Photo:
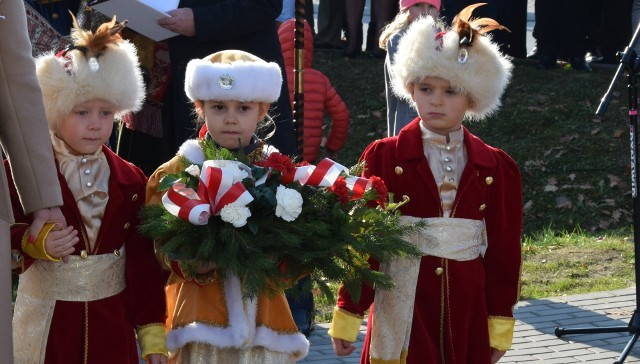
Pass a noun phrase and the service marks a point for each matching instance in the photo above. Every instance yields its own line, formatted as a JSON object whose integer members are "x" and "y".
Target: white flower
{"x": 235, "y": 214}
{"x": 193, "y": 170}
{"x": 238, "y": 170}
{"x": 289, "y": 204}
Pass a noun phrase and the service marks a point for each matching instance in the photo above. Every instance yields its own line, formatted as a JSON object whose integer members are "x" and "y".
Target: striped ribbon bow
{"x": 220, "y": 184}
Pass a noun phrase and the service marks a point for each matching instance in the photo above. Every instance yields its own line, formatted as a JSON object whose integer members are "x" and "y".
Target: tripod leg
{"x": 627, "y": 349}
{"x": 589, "y": 330}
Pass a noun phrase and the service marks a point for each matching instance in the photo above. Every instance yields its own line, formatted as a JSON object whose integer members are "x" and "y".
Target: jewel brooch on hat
{"x": 468, "y": 29}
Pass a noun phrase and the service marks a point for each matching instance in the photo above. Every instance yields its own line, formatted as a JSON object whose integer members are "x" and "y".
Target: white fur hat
{"x": 233, "y": 75}
{"x": 473, "y": 66}
{"x": 101, "y": 65}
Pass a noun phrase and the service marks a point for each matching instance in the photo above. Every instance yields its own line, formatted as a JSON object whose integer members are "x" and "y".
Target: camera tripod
{"x": 628, "y": 63}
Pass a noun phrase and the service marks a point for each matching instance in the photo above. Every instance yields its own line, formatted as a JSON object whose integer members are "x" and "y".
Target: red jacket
{"x": 112, "y": 320}
{"x": 454, "y": 299}
{"x": 319, "y": 96}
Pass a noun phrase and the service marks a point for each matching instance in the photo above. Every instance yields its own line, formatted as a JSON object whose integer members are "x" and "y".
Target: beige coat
{"x": 25, "y": 140}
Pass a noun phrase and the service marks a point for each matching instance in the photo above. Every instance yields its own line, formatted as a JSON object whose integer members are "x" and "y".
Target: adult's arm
{"x": 24, "y": 133}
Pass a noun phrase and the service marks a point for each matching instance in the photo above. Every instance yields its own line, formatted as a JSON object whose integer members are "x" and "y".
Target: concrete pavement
{"x": 534, "y": 338}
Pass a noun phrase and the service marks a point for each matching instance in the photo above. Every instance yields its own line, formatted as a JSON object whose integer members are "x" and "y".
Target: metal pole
{"x": 298, "y": 75}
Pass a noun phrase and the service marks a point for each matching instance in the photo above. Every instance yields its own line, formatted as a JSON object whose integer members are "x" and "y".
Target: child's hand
{"x": 342, "y": 347}
{"x": 496, "y": 355}
{"x": 156, "y": 359}
{"x": 60, "y": 242}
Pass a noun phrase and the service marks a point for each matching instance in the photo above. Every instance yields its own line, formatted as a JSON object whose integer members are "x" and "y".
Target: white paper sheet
{"x": 142, "y": 15}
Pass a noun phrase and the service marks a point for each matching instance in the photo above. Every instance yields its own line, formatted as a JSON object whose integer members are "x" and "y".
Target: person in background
{"x": 43, "y": 35}
{"x": 560, "y": 33}
{"x": 330, "y": 21}
{"x": 207, "y": 26}
{"x": 57, "y": 12}
{"x": 288, "y": 12}
{"x": 399, "y": 111}
{"x": 26, "y": 144}
{"x": 319, "y": 96}
{"x": 455, "y": 304}
{"x": 209, "y": 320}
{"x": 382, "y": 11}
{"x": 110, "y": 294}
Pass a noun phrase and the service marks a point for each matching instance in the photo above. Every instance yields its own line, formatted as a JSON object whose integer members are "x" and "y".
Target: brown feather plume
{"x": 468, "y": 28}
{"x": 92, "y": 44}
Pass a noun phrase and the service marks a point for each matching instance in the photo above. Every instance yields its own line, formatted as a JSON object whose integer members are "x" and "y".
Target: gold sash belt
{"x": 452, "y": 238}
{"x": 45, "y": 282}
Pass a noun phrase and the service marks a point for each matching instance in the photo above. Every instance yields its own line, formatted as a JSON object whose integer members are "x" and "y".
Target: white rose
{"x": 235, "y": 214}
{"x": 193, "y": 170}
{"x": 289, "y": 204}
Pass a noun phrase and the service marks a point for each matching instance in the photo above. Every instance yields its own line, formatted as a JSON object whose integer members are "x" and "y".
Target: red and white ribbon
{"x": 358, "y": 185}
{"x": 185, "y": 203}
{"x": 216, "y": 189}
{"x": 323, "y": 175}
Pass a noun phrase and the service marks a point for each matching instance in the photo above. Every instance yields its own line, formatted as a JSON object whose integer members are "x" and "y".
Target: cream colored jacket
{"x": 24, "y": 137}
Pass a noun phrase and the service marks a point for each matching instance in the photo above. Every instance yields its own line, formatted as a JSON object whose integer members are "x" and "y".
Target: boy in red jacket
{"x": 92, "y": 292}
{"x": 455, "y": 304}
{"x": 319, "y": 96}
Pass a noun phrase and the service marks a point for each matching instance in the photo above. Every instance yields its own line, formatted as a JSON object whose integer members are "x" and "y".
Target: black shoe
{"x": 547, "y": 62}
{"x": 579, "y": 64}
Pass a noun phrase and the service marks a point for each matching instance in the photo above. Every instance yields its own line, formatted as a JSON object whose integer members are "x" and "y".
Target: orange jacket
{"x": 319, "y": 96}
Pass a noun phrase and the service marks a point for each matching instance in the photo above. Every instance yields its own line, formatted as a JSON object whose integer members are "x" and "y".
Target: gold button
{"x": 84, "y": 254}
{"x": 482, "y": 207}
{"x": 116, "y": 252}
{"x": 399, "y": 170}
{"x": 55, "y": 16}
{"x": 134, "y": 198}
{"x": 489, "y": 180}
{"x": 439, "y": 271}
{"x": 127, "y": 225}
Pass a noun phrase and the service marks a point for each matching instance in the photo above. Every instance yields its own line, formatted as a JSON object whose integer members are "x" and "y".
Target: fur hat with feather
{"x": 99, "y": 65}
{"x": 462, "y": 54}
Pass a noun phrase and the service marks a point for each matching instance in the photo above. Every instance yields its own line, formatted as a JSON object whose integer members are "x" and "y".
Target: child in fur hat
{"x": 209, "y": 320}
{"x": 399, "y": 111}
{"x": 455, "y": 304}
{"x": 86, "y": 292}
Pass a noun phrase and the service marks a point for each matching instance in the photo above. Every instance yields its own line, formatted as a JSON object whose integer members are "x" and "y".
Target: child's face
{"x": 87, "y": 126}
{"x": 422, "y": 9}
{"x": 439, "y": 106}
{"x": 232, "y": 123}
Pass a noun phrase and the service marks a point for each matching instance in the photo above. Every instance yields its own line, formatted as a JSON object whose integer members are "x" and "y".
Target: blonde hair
{"x": 399, "y": 23}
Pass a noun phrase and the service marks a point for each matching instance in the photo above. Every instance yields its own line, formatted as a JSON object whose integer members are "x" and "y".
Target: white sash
{"x": 45, "y": 282}
{"x": 451, "y": 238}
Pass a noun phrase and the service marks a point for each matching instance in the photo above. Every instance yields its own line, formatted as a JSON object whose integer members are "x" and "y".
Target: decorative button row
{"x": 85, "y": 255}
